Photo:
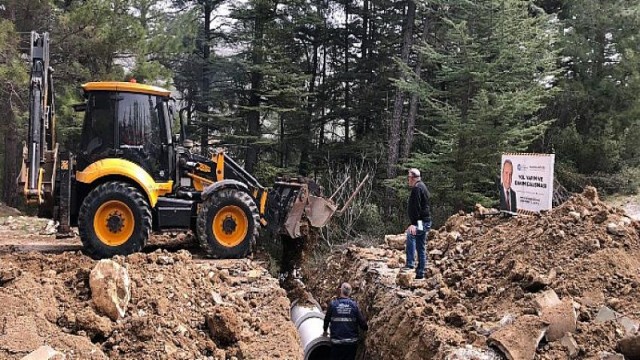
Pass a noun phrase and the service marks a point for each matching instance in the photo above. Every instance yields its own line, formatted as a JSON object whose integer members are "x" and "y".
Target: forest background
{"x": 336, "y": 88}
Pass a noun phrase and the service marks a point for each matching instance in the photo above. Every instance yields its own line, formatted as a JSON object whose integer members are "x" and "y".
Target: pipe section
{"x": 308, "y": 319}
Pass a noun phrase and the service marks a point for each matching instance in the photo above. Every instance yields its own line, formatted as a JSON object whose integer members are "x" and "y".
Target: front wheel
{"x": 228, "y": 224}
{"x": 114, "y": 219}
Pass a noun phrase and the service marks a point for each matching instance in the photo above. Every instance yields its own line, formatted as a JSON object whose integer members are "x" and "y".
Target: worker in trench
{"x": 343, "y": 318}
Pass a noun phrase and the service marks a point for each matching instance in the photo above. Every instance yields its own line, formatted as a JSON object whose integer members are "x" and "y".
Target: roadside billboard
{"x": 526, "y": 182}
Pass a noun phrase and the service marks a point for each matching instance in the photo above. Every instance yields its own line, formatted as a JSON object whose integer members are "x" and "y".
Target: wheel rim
{"x": 230, "y": 226}
{"x": 114, "y": 223}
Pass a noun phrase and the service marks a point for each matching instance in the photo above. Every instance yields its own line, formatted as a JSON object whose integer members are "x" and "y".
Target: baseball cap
{"x": 414, "y": 172}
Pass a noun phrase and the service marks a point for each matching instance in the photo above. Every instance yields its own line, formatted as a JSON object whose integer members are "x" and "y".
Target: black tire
{"x": 117, "y": 203}
{"x": 233, "y": 211}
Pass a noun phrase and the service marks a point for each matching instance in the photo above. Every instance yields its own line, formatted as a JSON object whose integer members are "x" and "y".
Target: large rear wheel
{"x": 228, "y": 224}
{"x": 114, "y": 219}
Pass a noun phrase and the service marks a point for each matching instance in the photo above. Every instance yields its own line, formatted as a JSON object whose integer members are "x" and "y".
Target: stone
{"x": 404, "y": 278}
{"x": 165, "y": 260}
{"x": 508, "y": 319}
{"x": 519, "y": 341}
{"x": 44, "y": 352}
{"x": 546, "y": 299}
{"x": 180, "y": 329}
{"x": 8, "y": 275}
{"x": 562, "y": 319}
{"x": 575, "y": 215}
{"x": 110, "y": 289}
{"x": 630, "y": 326}
{"x": 454, "y": 236}
{"x": 396, "y": 242}
{"x": 224, "y": 326}
{"x": 630, "y": 347}
{"x": 615, "y": 229}
{"x": 427, "y": 295}
{"x": 216, "y": 297}
{"x": 471, "y": 353}
{"x": 605, "y": 314}
{"x": 50, "y": 228}
{"x": 571, "y": 345}
{"x": 254, "y": 274}
{"x": 170, "y": 349}
{"x": 611, "y": 356}
{"x": 482, "y": 289}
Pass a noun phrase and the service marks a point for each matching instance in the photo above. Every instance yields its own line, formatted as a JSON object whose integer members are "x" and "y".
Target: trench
{"x": 306, "y": 312}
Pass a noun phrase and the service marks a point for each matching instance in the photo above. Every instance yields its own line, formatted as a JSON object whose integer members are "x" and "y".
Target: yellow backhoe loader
{"x": 132, "y": 176}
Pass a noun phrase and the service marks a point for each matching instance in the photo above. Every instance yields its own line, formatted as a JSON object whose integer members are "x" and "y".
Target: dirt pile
{"x": 180, "y": 308}
{"x": 8, "y": 211}
{"x": 486, "y": 276}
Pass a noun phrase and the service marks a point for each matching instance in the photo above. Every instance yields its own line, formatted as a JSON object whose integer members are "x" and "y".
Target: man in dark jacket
{"x": 507, "y": 195}
{"x": 419, "y": 223}
{"x": 345, "y": 317}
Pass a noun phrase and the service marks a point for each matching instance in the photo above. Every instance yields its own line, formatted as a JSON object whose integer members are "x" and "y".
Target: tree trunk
{"x": 347, "y": 89}
{"x": 12, "y": 158}
{"x": 364, "y": 72}
{"x": 203, "y": 104}
{"x": 413, "y": 109}
{"x": 253, "y": 118}
{"x": 304, "y": 166}
{"x": 283, "y": 144}
{"x": 396, "y": 120}
{"x": 323, "y": 96}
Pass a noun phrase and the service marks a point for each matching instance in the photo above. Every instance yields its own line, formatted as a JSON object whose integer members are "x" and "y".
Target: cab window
{"x": 139, "y": 120}
{"x": 98, "y": 127}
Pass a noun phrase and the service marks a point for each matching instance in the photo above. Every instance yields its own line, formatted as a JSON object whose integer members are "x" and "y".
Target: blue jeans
{"x": 417, "y": 243}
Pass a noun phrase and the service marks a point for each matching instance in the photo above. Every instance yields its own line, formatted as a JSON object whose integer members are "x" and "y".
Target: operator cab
{"x": 130, "y": 121}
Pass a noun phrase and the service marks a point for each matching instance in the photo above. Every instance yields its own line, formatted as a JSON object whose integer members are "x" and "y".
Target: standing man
{"x": 419, "y": 223}
{"x": 507, "y": 195}
{"x": 345, "y": 317}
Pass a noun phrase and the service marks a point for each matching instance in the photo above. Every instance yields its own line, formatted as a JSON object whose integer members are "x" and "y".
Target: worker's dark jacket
{"x": 418, "y": 206}
{"x": 345, "y": 317}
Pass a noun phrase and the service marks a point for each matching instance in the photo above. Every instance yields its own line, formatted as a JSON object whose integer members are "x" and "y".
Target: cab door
{"x": 142, "y": 135}
{"x": 98, "y": 131}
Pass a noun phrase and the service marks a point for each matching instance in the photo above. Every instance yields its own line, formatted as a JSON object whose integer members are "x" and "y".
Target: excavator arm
{"x": 40, "y": 154}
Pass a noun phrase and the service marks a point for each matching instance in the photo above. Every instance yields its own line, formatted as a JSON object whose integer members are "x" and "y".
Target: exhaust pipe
{"x": 308, "y": 319}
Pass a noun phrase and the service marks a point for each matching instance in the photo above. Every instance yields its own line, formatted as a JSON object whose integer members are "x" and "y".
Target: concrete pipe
{"x": 308, "y": 319}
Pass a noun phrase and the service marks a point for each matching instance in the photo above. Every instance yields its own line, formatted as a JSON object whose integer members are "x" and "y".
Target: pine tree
{"x": 13, "y": 86}
{"x": 598, "y": 110}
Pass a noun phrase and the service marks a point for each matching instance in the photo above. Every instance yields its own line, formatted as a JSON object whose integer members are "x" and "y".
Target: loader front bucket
{"x": 295, "y": 200}
{"x": 320, "y": 210}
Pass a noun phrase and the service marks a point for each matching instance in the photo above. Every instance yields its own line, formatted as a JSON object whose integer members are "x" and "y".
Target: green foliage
{"x": 599, "y": 110}
{"x": 303, "y": 81}
{"x": 13, "y": 86}
{"x": 495, "y": 61}
{"x": 13, "y": 73}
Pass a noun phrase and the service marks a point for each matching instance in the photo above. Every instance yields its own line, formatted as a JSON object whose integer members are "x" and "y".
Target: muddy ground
{"x": 46, "y": 299}
{"x": 484, "y": 276}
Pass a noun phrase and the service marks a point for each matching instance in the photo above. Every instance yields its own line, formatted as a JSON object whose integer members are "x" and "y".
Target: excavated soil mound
{"x": 180, "y": 308}
{"x": 8, "y": 210}
{"x": 485, "y": 274}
